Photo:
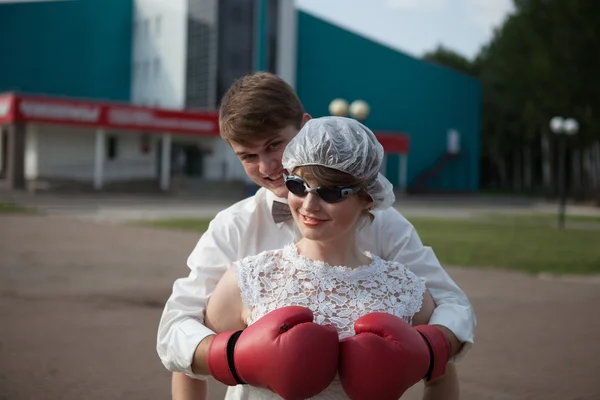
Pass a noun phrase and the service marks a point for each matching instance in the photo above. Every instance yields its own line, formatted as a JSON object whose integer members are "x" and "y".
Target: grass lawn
{"x": 528, "y": 244}
{"x": 545, "y": 219}
{"x": 12, "y": 208}
{"x": 512, "y": 243}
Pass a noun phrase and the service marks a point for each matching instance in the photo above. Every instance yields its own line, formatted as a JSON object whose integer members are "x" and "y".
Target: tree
{"x": 540, "y": 63}
{"x": 449, "y": 58}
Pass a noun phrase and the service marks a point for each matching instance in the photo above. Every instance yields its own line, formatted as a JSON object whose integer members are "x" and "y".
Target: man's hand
{"x": 199, "y": 365}
{"x": 386, "y": 356}
{"x": 284, "y": 351}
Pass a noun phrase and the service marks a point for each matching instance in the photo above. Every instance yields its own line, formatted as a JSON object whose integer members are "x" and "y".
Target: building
{"x": 65, "y": 49}
{"x": 180, "y": 56}
{"x": 186, "y": 53}
{"x": 438, "y": 109}
{"x": 62, "y": 141}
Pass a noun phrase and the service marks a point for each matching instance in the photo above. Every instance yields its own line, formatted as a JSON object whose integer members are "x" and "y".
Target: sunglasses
{"x": 298, "y": 187}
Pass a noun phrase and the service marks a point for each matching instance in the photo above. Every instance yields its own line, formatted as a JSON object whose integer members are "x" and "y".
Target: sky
{"x": 412, "y": 26}
{"x": 416, "y": 26}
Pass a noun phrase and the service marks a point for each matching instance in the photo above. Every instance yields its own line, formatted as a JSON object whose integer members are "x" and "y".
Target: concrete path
{"x": 110, "y": 207}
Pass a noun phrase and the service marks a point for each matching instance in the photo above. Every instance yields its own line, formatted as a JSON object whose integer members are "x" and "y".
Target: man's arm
{"x": 399, "y": 241}
{"x": 181, "y": 331}
{"x": 185, "y": 388}
{"x": 223, "y": 313}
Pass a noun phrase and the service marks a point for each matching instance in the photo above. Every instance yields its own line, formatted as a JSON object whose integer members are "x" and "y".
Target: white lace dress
{"x": 336, "y": 295}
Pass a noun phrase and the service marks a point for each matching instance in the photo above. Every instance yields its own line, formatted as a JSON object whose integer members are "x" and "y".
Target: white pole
{"x": 1, "y": 147}
{"x": 99, "y": 159}
{"x": 403, "y": 172}
{"x": 383, "y": 168}
{"x": 165, "y": 167}
{"x": 31, "y": 153}
{"x": 287, "y": 41}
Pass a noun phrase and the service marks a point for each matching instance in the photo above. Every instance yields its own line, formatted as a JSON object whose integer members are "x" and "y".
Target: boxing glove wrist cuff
{"x": 439, "y": 350}
{"x": 220, "y": 358}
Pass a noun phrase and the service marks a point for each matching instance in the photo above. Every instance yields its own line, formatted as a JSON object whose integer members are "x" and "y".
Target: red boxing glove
{"x": 284, "y": 351}
{"x": 387, "y": 356}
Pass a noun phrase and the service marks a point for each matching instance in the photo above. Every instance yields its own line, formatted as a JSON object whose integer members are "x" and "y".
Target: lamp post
{"x": 338, "y": 107}
{"x": 358, "y": 109}
{"x": 562, "y": 127}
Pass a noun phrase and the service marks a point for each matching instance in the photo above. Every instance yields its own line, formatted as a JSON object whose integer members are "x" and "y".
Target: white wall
{"x": 223, "y": 165}
{"x": 68, "y": 153}
{"x": 131, "y": 163}
{"x": 159, "y": 53}
{"x": 287, "y": 48}
{"x": 31, "y": 152}
{"x": 65, "y": 152}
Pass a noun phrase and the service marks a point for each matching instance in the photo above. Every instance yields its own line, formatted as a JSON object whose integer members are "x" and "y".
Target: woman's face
{"x": 321, "y": 221}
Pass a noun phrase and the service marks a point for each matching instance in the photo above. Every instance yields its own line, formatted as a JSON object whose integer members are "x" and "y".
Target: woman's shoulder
{"x": 263, "y": 259}
{"x": 396, "y": 269}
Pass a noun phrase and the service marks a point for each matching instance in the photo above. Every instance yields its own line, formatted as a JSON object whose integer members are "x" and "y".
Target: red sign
{"x": 394, "y": 142}
{"x": 6, "y": 108}
{"x": 26, "y": 108}
{"x": 125, "y": 117}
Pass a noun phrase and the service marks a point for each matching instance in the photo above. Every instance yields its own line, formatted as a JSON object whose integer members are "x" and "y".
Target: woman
{"x": 334, "y": 188}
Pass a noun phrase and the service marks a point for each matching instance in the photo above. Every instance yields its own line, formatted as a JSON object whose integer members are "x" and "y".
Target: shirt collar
{"x": 270, "y": 197}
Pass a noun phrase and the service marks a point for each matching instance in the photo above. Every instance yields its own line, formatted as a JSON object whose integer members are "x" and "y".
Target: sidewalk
{"x": 131, "y": 207}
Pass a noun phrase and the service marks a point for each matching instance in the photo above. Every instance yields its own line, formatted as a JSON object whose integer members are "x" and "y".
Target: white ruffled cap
{"x": 346, "y": 145}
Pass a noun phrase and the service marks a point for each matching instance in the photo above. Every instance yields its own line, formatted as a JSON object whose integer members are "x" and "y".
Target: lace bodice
{"x": 337, "y": 295}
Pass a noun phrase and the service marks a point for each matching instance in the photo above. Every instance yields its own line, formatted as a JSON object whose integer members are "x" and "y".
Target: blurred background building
{"x": 171, "y": 61}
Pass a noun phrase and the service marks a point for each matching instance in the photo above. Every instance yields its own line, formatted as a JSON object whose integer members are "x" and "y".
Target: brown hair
{"x": 256, "y": 107}
{"x": 332, "y": 177}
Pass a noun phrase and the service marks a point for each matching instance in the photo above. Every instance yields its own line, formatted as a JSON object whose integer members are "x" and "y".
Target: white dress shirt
{"x": 247, "y": 228}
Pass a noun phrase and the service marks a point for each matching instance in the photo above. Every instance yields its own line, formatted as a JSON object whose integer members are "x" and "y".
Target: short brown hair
{"x": 256, "y": 107}
{"x": 332, "y": 177}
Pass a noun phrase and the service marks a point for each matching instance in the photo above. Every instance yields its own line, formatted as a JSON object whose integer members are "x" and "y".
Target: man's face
{"x": 262, "y": 161}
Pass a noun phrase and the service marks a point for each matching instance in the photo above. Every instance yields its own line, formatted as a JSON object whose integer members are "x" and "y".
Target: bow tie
{"x": 281, "y": 212}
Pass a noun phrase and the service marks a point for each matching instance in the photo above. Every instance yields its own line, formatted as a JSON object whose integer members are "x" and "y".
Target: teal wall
{"x": 408, "y": 95}
{"x": 79, "y": 48}
{"x": 261, "y": 24}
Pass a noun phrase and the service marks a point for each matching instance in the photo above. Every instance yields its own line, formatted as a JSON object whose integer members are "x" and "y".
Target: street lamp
{"x": 358, "y": 109}
{"x": 338, "y": 107}
{"x": 562, "y": 127}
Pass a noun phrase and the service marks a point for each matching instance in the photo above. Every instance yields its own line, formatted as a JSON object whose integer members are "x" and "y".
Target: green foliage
{"x": 541, "y": 62}
{"x": 12, "y": 208}
{"x": 451, "y": 59}
{"x": 531, "y": 244}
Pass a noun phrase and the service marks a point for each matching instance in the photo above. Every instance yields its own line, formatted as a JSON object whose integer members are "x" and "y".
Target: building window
{"x": 236, "y": 47}
{"x": 157, "y": 25}
{"x": 145, "y": 143}
{"x": 272, "y": 35}
{"x": 112, "y": 147}
{"x": 156, "y": 66}
{"x": 146, "y": 69}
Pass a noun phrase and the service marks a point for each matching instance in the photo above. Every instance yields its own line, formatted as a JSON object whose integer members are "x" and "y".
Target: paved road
{"x": 80, "y": 303}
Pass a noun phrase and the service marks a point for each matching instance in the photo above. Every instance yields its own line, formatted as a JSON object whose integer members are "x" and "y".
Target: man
{"x": 258, "y": 116}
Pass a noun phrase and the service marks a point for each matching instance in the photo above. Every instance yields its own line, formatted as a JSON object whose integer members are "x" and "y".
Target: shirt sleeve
{"x": 400, "y": 242}
{"x": 181, "y": 326}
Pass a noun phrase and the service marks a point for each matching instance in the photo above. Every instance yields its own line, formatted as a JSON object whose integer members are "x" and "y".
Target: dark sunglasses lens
{"x": 295, "y": 187}
{"x": 330, "y": 195}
